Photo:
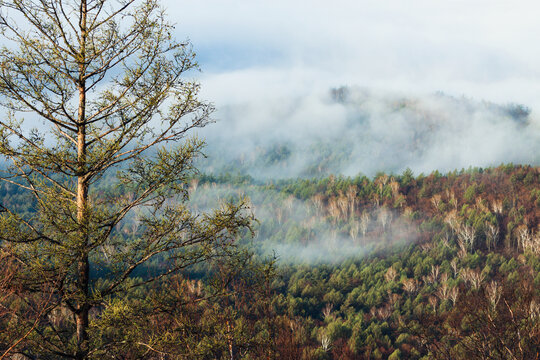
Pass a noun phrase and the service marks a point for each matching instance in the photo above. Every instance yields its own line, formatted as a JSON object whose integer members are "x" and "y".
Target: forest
{"x": 439, "y": 266}
{"x": 125, "y": 235}
{"x": 442, "y": 266}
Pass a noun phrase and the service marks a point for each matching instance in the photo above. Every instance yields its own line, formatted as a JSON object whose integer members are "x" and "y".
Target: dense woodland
{"x": 401, "y": 267}
{"x": 114, "y": 246}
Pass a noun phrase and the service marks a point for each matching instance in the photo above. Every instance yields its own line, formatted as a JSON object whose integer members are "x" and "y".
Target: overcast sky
{"x": 251, "y": 49}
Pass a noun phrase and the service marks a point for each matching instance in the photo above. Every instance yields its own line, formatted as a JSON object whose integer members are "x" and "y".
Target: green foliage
{"x": 396, "y": 355}
{"x": 365, "y": 309}
{"x": 103, "y": 177}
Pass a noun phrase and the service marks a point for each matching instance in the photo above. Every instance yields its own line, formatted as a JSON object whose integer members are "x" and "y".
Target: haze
{"x": 258, "y": 55}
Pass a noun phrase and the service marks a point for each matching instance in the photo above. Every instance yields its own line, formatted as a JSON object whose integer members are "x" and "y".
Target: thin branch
{"x": 32, "y": 328}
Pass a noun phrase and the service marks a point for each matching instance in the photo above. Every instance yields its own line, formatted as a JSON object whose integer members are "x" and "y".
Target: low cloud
{"x": 354, "y": 130}
{"x": 296, "y": 232}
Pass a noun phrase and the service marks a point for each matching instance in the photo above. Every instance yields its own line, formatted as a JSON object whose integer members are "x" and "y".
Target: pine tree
{"x": 105, "y": 143}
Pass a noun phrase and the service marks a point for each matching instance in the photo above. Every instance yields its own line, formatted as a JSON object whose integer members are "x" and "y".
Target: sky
{"x": 249, "y": 50}
{"x": 269, "y": 66}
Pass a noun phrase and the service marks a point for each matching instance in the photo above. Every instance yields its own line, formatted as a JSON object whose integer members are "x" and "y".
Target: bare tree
{"x": 436, "y": 201}
{"x": 452, "y": 219}
{"x": 327, "y": 310}
{"x": 452, "y": 199}
{"x": 434, "y": 302}
{"x": 384, "y": 312}
{"x": 326, "y": 342}
{"x": 384, "y": 217}
{"x": 455, "y": 267}
{"x": 453, "y": 294}
{"x": 352, "y": 193}
{"x": 364, "y": 223}
{"x": 343, "y": 205}
{"x": 497, "y": 206}
{"x": 317, "y": 202}
{"x": 354, "y": 229}
{"x": 493, "y": 293}
{"x": 492, "y": 236}
{"x": 527, "y": 240}
{"x": 334, "y": 209}
{"x": 472, "y": 277}
{"x": 467, "y": 235}
{"x": 390, "y": 274}
{"x": 410, "y": 285}
{"x": 394, "y": 185}
{"x": 443, "y": 292}
{"x": 434, "y": 274}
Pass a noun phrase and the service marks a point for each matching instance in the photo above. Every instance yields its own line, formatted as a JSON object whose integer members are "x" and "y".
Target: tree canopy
{"x": 97, "y": 91}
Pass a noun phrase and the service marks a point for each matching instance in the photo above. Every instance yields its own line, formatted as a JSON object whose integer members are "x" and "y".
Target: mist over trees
{"x": 439, "y": 269}
{"x": 353, "y": 130}
{"x": 120, "y": 240}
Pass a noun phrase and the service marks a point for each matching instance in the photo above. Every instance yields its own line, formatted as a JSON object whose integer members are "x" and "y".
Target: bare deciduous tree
{"x": 384, "y": 216}
{"x": 492, "y": 236}
{"x": 364, "y": 223}
{"x": 352, "y": 193}
{"x": 493, "y": 293}
{"x": 390, "y": 274}
{"x": 410, "y": 285}
{"x": 466, "y": 234}
{"x": 317, "y": 202}
{"x": 354, "y": 229}
{"x": 436, "y": 201}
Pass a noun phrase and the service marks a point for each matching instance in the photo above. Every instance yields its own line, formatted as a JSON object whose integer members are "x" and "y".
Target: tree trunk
{"x": 83, "y": 265}
{"x": 230, "y": 340}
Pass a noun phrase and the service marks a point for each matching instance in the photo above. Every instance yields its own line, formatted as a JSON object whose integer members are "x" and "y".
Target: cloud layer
{"x": 267, "y": 65}
{"x": 353, "y": 130}
{"x": 480, "y": 48}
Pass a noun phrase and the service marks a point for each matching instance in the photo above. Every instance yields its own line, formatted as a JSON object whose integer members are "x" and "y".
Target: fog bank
{"x": 354, "y": 130}
{"x": 297, "y": 232}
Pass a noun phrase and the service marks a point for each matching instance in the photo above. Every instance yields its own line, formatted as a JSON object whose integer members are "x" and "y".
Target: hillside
{"x": 353, "y": 130}
{"x": 445, "y": 265}
{"x": 395, "y": 266}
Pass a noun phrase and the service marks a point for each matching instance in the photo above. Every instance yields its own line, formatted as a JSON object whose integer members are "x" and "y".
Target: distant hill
{"x": 352, "y": 130}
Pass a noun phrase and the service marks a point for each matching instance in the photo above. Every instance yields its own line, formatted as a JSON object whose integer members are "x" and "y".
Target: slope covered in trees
{"x": 444, "y": 266}
{"x": 103, "y": 256}
{"x": 439, "y": 266}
